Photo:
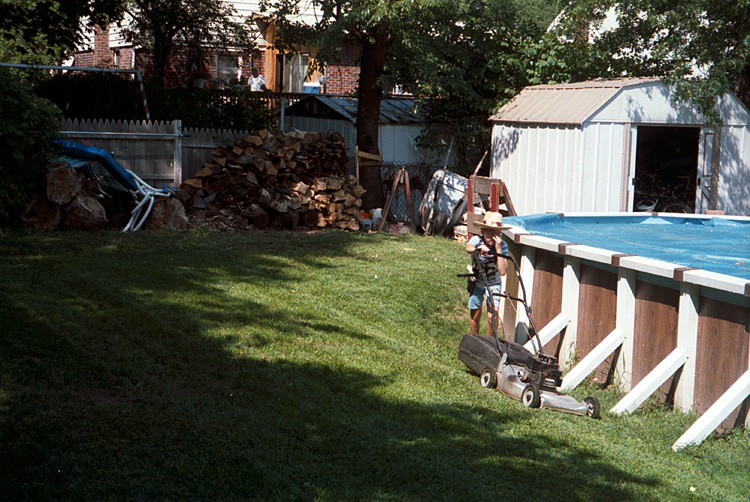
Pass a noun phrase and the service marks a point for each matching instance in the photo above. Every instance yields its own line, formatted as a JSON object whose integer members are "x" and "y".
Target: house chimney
{"x": 102, "y": 54}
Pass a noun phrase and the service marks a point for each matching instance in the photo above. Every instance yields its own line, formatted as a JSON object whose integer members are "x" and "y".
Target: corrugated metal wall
{"x": 323, "y": 126}
{"x": 397, "y": 143}
{"x": 734, "y": 185}
{"x": 540, "y": 165}
{"x": 602, "y": 167}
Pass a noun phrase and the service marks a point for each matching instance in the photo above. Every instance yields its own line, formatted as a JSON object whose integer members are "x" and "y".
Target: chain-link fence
{"x": 419, "y": 178}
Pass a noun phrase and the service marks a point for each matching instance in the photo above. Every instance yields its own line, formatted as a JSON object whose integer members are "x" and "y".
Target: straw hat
{"x": 492, "y": 221}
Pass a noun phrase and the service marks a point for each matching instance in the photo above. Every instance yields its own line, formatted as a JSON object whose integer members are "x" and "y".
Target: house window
{"x": 227, "y": 67}
{"x": 116, "y": 57}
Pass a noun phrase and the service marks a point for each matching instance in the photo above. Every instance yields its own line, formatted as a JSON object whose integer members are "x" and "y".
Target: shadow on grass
{"x": 107, "y": 396}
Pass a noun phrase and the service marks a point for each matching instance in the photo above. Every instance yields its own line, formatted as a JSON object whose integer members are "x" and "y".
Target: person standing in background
{"x": 256, "y": 82}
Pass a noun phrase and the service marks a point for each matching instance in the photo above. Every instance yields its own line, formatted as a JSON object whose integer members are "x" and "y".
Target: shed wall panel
{"x": 602, "y": 167}
{"x": 646, "y": 104}
{"x": 734, "y": 178}
{"x": 539, "y": 165}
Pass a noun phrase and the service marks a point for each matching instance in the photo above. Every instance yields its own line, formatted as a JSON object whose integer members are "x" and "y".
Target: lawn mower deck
{"x": 519, "y": 374}
{"x": 533, "y": 379}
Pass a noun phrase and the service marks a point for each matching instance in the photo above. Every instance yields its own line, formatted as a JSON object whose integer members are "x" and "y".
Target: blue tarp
{"x": 715, "y": 244}
{"x": 88, "y": 152}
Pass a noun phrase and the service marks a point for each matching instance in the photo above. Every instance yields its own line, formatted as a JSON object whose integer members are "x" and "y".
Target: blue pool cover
{"x": 715, "y": 244}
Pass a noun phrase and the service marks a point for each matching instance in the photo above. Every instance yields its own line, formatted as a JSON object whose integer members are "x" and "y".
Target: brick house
{"x": 282, "y": 72}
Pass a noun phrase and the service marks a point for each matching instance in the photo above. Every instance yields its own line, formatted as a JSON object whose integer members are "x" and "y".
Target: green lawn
{"x": 290, "y": 366}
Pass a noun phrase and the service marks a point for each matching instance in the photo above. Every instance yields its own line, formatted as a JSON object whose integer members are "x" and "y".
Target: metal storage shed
{"x": 581, "y": 148}
{"x": 400, "y": 125}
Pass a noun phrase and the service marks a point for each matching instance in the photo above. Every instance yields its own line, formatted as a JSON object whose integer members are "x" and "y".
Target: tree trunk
{"x": 374, "y": 51}
{"x": 161, "y": 50}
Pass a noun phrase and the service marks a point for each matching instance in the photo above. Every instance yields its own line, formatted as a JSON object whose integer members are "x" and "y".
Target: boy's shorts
{"x": 476, "y": 299}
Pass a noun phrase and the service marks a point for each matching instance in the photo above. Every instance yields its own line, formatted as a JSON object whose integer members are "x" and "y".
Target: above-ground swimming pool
{"x": 660, "y": 300}
{"x": 720, "y": 245}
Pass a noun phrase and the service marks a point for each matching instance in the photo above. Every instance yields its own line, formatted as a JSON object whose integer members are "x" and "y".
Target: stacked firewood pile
{"x": 277, "y": 179}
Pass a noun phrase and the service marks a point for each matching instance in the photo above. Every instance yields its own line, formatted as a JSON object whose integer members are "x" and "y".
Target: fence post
{"x": 177, "y": 163}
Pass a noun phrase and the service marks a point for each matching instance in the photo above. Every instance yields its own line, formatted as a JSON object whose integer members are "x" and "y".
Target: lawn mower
{"x": 533, "y": 379}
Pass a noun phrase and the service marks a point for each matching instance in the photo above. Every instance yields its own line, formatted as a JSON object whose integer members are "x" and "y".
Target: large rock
{"x": 167, "y": 213}
{"x": 63, "y": 183}
{"x": 85, "y": 213}
{"x": 41, "y": 214}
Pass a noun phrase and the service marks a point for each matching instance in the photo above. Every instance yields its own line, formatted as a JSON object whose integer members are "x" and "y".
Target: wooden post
{"x": 687, "y": 340}
{"x": 526, "y": 267}
{"x": 177, "y": 163}
{"x": 625, "y": 322}
{"x": 716, "y": 414}
{"x": 408, "y": 199}
{"x": 495, "y": 197}
{"x": 650, "y": 383}
{"x": 547, "y": 333}
{"x": 593, "y": 359}
{"x": 570, "y": 293}
{"x": 470, "y": 228}
{"x": 389, "y": 200}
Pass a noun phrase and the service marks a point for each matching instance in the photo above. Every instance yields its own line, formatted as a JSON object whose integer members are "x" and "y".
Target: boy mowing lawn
{"x": 489, "y": 244}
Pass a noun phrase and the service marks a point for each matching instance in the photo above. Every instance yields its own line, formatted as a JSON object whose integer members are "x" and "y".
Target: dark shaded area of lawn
{"x": 107, "y": 396}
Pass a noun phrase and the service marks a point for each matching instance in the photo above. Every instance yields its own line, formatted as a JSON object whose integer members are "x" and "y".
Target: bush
{"x": 27, "y": 124}
{"x": 93, "y": 95}
{"x": 227, "y": 109}
{"x": 117, "y": 97}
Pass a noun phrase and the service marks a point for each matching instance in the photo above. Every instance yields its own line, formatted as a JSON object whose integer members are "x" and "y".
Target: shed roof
{"x": 392, "y": 110}
{"x": 569, "y": 104}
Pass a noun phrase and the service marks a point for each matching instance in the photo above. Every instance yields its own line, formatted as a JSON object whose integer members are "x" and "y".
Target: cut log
{"x": 319, "y": 185}
{"x": 353, "y": 225}
{"x": 254, "y": 140}
{"x": 257, "y": 216}
{"x": 194, "y": 182}
{"x": 309, "y": 218}
{"x": 288, "y": 220}
{"x": 204, "y": 171}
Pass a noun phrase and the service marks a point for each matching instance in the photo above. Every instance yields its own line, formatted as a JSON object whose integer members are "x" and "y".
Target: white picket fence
{"x": 160, "y": 153}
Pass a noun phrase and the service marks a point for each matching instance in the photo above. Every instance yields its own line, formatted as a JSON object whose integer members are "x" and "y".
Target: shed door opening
{"x": 666, "y": 163}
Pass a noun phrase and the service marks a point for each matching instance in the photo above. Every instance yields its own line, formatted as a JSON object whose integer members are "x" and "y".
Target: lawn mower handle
{"x": 522, "y": 300}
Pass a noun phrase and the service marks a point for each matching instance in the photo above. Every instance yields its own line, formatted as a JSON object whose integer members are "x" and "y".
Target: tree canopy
{"x": 467, "y": 55}
{"x": 700, "y": 46}
{"x": 27, "y": 124}
{"x": 194, "y": 24}
{"x": 465, "y": 59}
{"x": 45, "y": 31}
